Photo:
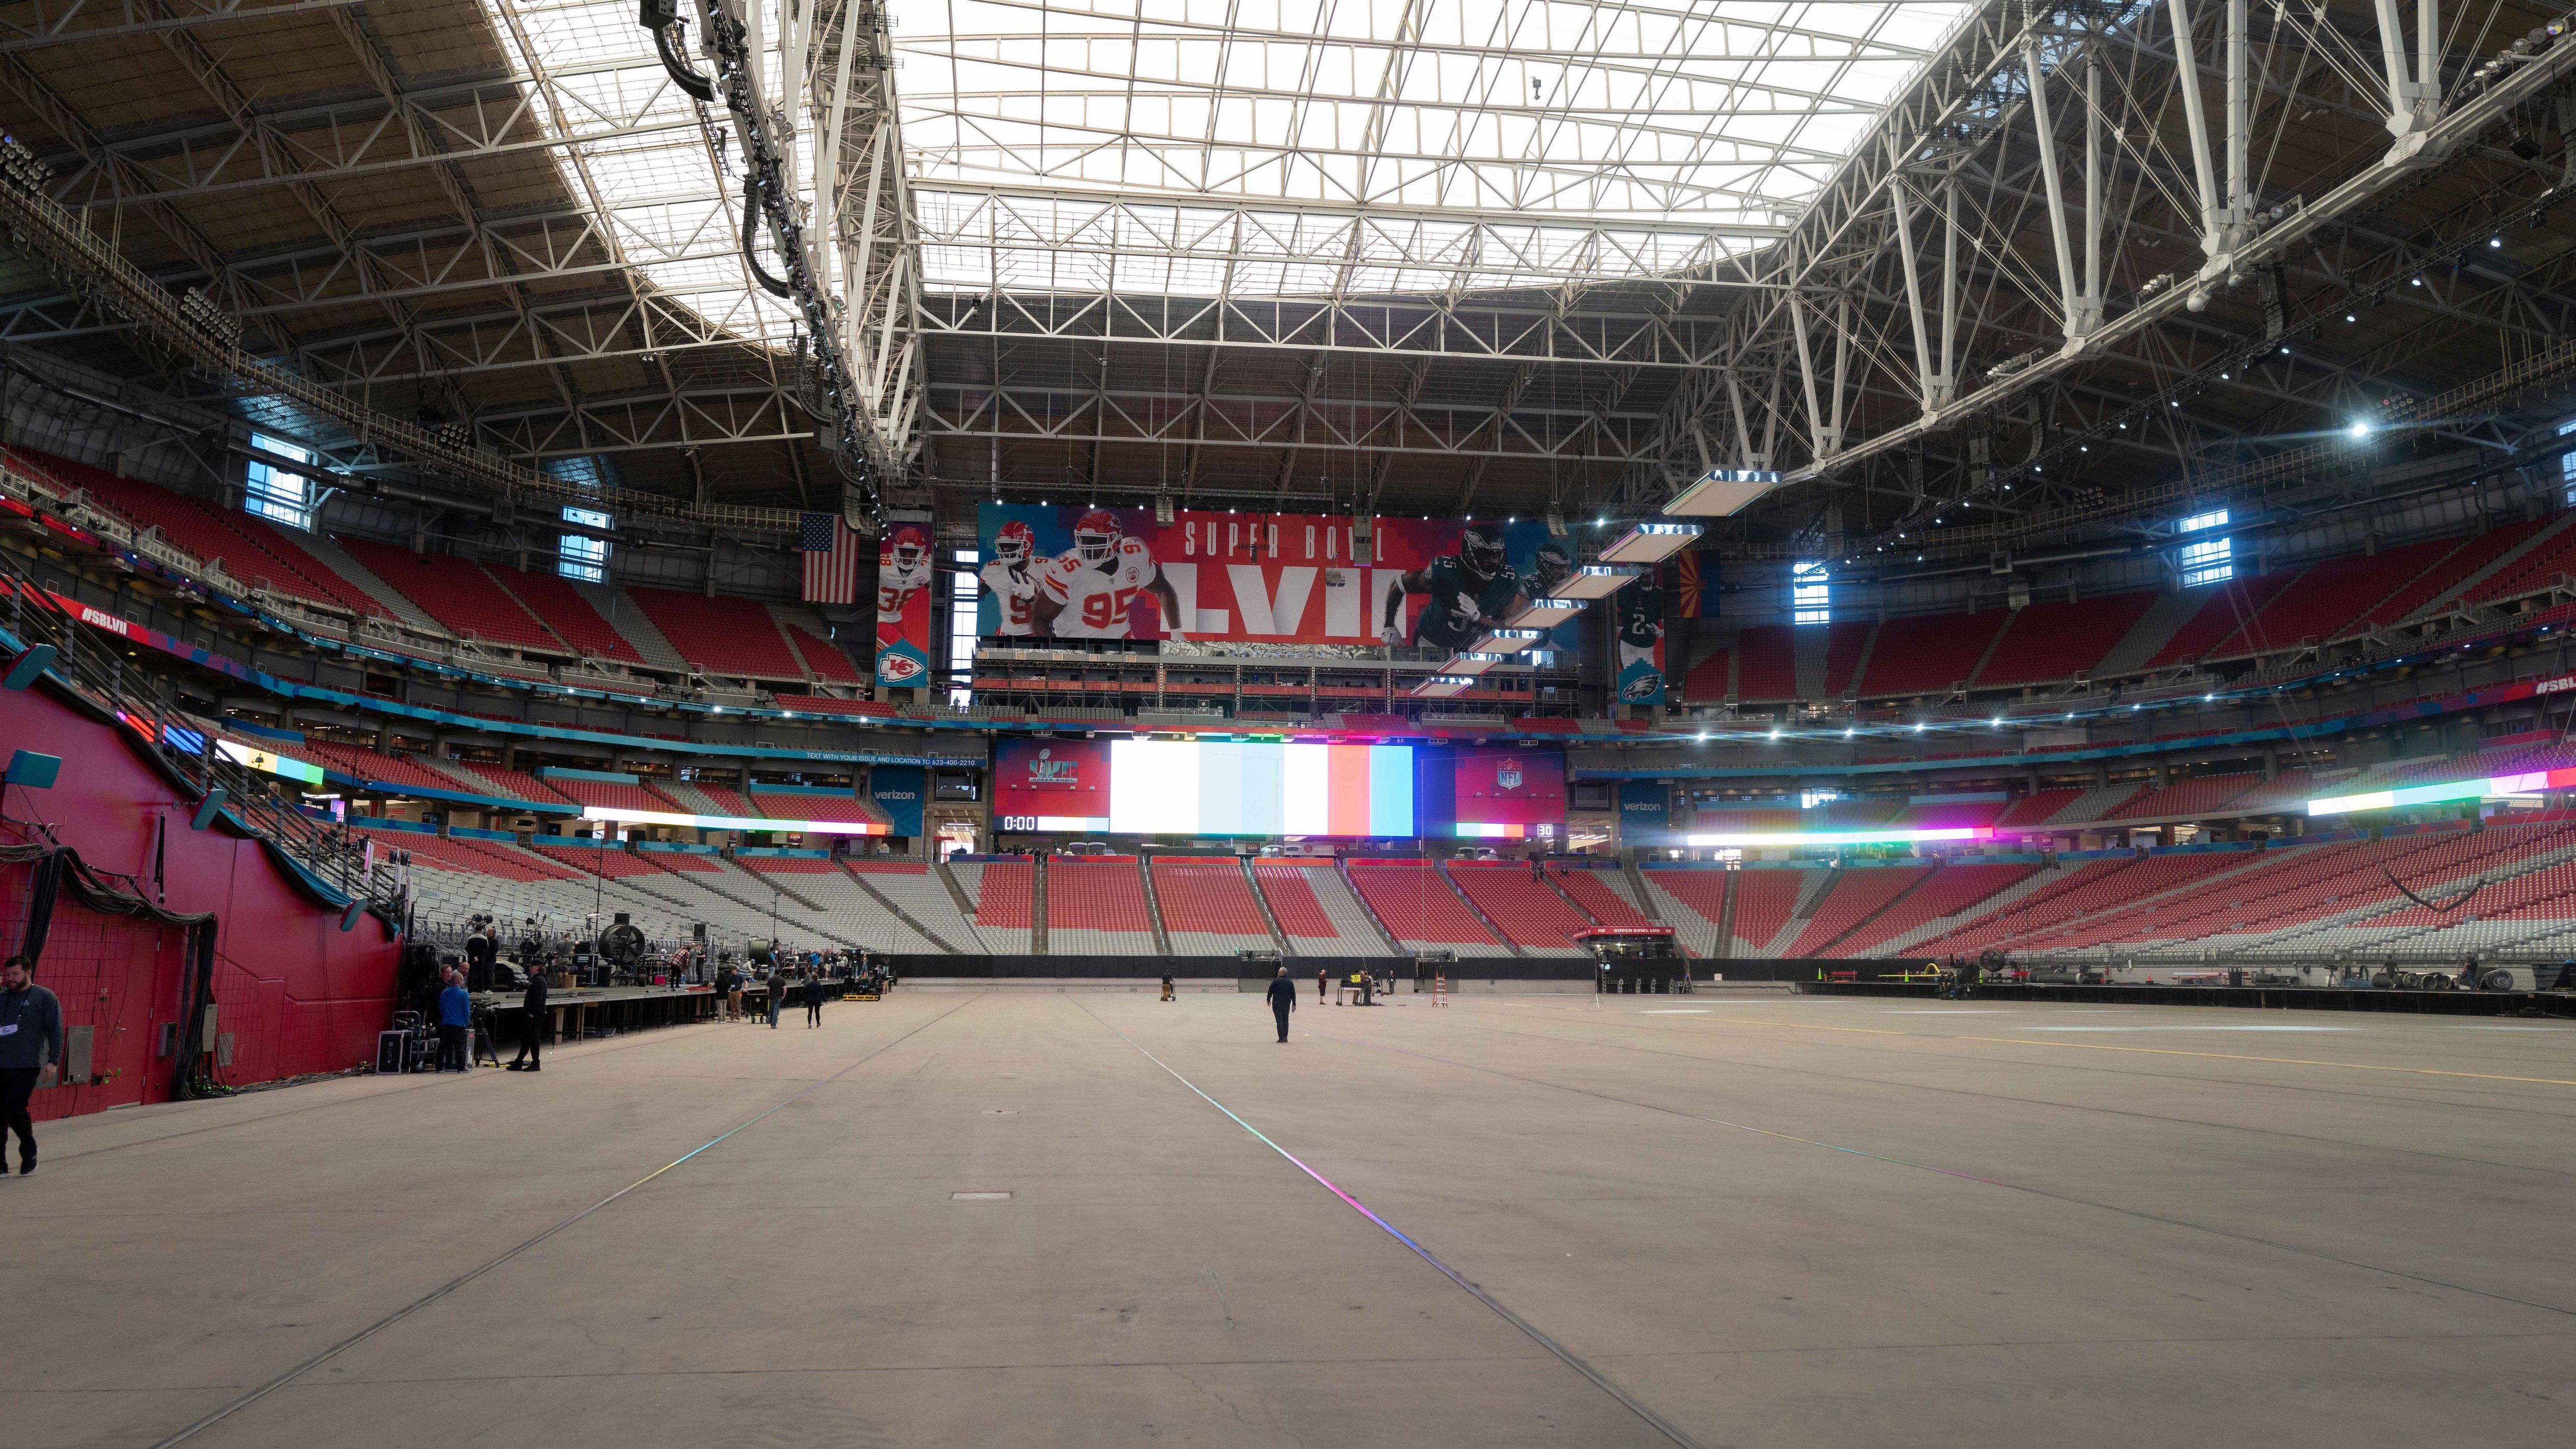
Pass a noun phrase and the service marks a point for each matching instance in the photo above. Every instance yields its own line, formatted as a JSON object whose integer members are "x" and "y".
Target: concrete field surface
{"x": 963, "y": 1217}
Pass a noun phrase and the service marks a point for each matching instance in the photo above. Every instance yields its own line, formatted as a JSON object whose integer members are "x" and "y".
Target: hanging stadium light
{"x": 1594, "y": 581}
{"x": 1722, "y": 492}
{"x": 1650, "y": 543}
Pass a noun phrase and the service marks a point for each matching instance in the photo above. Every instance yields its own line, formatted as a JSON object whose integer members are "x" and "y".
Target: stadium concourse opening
{"x": 1427, "y": 723}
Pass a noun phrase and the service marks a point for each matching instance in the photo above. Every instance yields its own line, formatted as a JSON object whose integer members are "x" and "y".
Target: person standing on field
{"x": 31, "y": 1047}
{"x": 1283, "y": 1000}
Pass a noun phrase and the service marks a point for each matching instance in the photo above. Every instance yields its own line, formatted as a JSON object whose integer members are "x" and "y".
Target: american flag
{"x": 832, "y": 551}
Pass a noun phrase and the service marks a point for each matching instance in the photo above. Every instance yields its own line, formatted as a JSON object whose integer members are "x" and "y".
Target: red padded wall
{"x": 297, "y": 993}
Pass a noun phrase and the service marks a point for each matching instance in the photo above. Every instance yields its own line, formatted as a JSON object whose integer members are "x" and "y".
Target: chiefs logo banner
{"x": 903, "y": 608}
{"x": 1071, "y": 572}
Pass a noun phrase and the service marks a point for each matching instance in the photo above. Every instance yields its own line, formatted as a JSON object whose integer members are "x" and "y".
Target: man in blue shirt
{"x": 455, "y": 1021}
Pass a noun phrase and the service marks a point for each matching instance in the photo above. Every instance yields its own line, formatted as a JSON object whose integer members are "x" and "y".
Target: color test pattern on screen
{"x": 1163, "y": 787}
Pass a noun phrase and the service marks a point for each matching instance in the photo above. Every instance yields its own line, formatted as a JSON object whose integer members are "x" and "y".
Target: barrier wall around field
{"x": 1225, "y": 968}
{"x": 293, "y": 992}
{"x": 2559, "y": 1004}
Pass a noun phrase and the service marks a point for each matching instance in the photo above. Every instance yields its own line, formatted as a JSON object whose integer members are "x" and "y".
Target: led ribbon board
{"x": 1182, "y": 787}
{"x": 1839, "y": 837}
{"x": 2530, "y": 783}
{"x": 620, "y": 815}
{"x": 254, "y": 758}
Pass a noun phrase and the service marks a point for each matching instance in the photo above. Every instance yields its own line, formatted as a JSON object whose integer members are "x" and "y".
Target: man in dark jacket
{"x": 455, "y": 1020}
{"x": 480, "y": 952}
{"x": 31, "y": 1046}
{"x": 1283, "y": 1000}
{"x": 532, "y": 1030}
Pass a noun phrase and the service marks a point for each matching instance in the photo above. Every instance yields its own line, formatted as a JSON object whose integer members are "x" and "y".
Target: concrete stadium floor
{"x": 1741, "y": 1219}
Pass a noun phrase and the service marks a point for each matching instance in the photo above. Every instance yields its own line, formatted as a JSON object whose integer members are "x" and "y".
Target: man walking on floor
{"x": 1320, "y": 973}
{"x": 1283, "y": 1000}
{"x": 814, "y": 987}
{"x": 532, "y": 1032}
{"x": 31, "y": 1046}
{"x": 777, "y": 991}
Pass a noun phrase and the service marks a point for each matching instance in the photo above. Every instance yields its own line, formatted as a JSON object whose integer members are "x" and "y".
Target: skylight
{"x": 666, "y": 186}
{"x": 1255, "y": 147}
{"x": 1232, "y": 147}
{"x": 274, "y": 493}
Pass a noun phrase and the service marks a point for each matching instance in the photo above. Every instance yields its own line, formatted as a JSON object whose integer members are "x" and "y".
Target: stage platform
{"x": 575, "y": 1012}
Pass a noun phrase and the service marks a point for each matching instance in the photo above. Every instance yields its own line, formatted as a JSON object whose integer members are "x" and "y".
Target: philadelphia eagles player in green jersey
{"x": 1469, "y": 592}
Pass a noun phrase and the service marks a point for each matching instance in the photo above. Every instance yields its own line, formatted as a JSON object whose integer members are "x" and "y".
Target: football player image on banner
{"x": 1074, "y": 574}
{"x": 1639, "y": 610}
{"x": 1094, "y": 589}
{"x": 1098, "y": 573}
{"x": 1463, "y": 594}
{"x": 1545, "y": 562}
{"x": 903, "y": 608}
{"x": 1009, "y": 609}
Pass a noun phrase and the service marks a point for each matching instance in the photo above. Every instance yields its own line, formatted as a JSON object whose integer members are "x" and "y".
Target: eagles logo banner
{"x": 903, "y": 608}
{"x": 1073, "y": 572}
{"x": 1639, "y": 610}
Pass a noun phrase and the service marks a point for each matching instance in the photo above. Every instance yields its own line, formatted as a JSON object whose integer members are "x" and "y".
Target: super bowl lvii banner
{"x": 1074, "y": 572}
{"x": 903, "y": 608}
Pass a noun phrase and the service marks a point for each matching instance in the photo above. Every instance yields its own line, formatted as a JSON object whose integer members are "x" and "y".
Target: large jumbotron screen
{"x": 1184, "y": 787}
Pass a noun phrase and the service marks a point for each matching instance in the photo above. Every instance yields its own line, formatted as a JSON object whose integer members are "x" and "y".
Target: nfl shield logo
{"x": 1507, "y": 775}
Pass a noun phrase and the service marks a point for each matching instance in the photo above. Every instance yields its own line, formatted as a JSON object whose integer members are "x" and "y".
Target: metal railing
{"x": 144, "y": 702}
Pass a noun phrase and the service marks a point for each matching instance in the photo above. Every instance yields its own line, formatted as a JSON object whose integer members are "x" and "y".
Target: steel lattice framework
{"x": 2011, "y": 266}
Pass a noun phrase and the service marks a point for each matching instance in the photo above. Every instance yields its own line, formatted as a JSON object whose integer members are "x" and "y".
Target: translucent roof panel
{"x": 1597, "y": 132}
{"x": 1247, "y": 148}
{"x": 660, "y": 175}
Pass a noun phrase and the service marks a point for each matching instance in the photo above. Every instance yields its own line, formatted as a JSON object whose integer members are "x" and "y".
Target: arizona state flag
{"x": 1695, "y": 584}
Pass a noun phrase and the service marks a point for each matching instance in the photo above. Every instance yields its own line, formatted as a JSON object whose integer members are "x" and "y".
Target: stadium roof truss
{"x": 1979, "y": 256}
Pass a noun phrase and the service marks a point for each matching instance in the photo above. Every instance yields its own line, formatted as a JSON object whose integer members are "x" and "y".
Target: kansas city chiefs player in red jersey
{"x": 1084, "y": 593}
{"x": 903, "y": 570}
{"x": 1012, "y": 577}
